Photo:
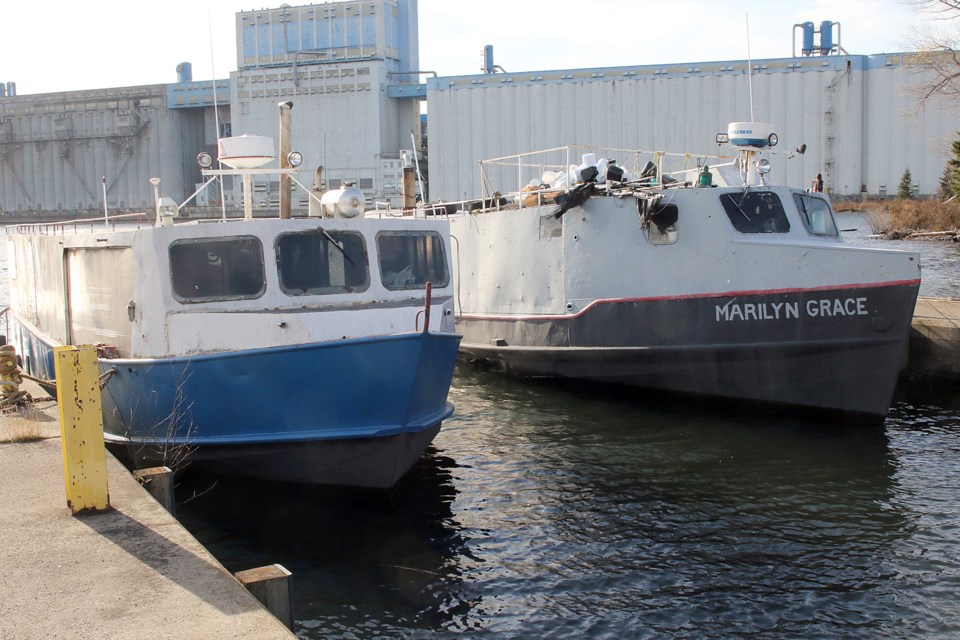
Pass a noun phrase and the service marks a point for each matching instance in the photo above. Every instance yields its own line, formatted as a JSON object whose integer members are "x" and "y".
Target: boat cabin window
{"x": 410, "y": 259}
{"x": 318, "y": 262}
{"x": 755, "y": 212}
{"x": 217, "y": 269}
{"x": 816, "y": 214}
{"x": 661, "y": 224}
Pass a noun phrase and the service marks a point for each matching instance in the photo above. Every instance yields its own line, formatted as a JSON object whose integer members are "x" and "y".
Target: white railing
{"x": 128, "y": 220}
{"x": 523, "y": 174}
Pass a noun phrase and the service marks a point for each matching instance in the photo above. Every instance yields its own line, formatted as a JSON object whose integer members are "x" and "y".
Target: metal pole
{"x": 416, "y": 163}
{"x": 426, "y": 308}
{"x": 156, "y": 198}
{"x": 407, "y": 191}
{"x": 248, "y": 196}
{"x": 285, "y": 184}
{"x": 106, "y": 221}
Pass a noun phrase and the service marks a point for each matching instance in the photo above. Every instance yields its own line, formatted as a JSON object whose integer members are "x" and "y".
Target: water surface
{"x": 549, "y": 510}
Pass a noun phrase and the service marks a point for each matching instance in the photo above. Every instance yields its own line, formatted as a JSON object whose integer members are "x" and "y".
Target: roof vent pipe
{"x": 488, "y": 66}
{"x": 184, "y": 72}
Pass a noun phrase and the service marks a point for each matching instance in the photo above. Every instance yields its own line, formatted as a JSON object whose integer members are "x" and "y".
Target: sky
{"x": 55, "y": 45}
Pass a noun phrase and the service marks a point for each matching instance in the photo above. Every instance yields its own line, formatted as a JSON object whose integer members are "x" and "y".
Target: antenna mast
{"x": 216, "y": 116}
{"x": 749, "y": 67}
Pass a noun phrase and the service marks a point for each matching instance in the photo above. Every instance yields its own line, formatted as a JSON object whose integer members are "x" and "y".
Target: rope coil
{"x": 10, "y": 378}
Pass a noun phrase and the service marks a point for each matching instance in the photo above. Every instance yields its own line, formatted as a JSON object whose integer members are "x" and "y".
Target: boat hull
{"x": 354, "y": 412}
{"x": 376, "y": 463}
{"x": 836, "y": 349}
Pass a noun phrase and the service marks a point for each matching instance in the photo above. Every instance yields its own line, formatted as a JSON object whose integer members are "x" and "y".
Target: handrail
{"x": 52, "y": 228}
{"x": 530, "y": 166}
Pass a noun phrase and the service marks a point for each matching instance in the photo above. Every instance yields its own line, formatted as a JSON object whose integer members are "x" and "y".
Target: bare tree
{"x": 938, "y": 49}
{"x": 938, "y": 8}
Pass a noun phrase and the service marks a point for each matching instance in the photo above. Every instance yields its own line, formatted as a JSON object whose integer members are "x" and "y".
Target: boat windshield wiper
{"x": 337, "y": 245}
{"x": 740, "y": 204}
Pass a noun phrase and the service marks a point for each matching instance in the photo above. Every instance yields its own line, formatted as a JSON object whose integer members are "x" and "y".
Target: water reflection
{"x": 658, "y": 517}
{"x": 569, "y": 510}
{"x": 361, "y": 559}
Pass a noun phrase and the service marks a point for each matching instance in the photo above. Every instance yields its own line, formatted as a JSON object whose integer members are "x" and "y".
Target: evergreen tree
{"x": 946, "y": 191}
{"x": 951, "y": 172}
{"x": 905, "y": 189}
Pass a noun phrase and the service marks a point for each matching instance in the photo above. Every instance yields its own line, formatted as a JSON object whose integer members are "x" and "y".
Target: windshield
{"x": 816, "y": 214}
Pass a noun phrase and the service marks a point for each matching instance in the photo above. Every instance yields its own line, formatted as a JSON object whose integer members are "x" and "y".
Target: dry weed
{"x": 23, "y": 422}
{"x": 924, "y": 215}
{"x": 885, "y": 216}
{"x": 16, "y": 429}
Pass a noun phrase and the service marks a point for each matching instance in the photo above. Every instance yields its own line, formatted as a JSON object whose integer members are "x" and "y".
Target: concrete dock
{"x": 934, "y": 351}
{"x": 130, "y": 572}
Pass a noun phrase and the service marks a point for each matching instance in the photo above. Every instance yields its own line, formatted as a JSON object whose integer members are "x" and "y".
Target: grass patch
{"x": 22, "y": 423}
{"x": 15, "y": 429}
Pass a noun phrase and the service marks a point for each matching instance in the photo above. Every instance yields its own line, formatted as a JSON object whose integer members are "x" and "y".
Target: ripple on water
{"x": 566, "y": 511}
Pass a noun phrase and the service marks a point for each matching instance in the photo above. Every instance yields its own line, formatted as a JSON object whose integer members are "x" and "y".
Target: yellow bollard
{"x": 81, "y": 429}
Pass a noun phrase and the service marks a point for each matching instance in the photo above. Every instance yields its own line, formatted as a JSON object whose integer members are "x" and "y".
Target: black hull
{"x": 369, "y": 462}
{"x": 847, "y": 363}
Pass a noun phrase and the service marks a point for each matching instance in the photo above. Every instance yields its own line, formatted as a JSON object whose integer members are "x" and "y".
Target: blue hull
{"x": 357, "y": 412}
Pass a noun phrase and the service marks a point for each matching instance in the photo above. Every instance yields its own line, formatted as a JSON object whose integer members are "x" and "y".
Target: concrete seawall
{"x": 129, "y": 572}
{"x": 934, "y": 351}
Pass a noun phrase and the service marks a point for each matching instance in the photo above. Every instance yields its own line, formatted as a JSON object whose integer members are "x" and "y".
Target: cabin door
{"x": 99, "y": 291}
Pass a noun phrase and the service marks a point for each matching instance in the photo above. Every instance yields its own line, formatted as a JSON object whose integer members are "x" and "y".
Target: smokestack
{"x": 408, "y": 191}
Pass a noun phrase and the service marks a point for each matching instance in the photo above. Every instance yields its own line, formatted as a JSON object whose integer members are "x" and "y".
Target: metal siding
{"x": 345, "y": 123}
{"x": 307, "y": 31}
{"x": 57, "y": 162}
{"x": 850, "y": 119}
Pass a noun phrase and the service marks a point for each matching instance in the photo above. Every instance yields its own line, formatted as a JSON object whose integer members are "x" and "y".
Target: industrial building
{"x": 352, "y": 71}
{"x": 345, "y": 65}
{"x": 857, "y": 115}
{"x": 61, "y": 152}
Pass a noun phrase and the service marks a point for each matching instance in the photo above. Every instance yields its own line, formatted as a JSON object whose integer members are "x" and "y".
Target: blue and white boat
{"x": 316, "y": 349}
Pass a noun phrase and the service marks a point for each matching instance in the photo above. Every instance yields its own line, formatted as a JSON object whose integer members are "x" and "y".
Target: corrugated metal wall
{"x": 856, "y": 114}
{"x": 339, "y": 29}
{"x": 56, "y": 149}
{"x": 334, "y": 61}
{"x": 852, "y": 112}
